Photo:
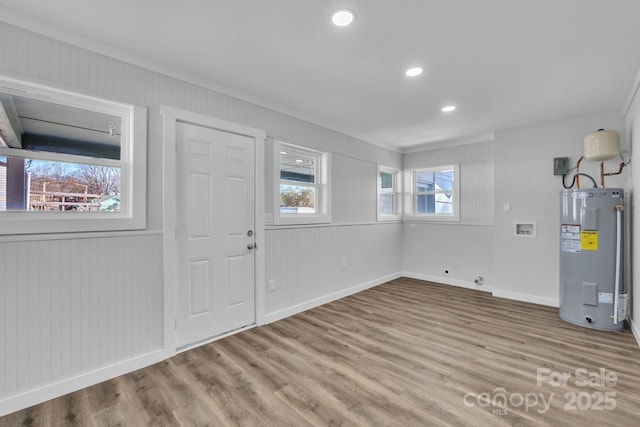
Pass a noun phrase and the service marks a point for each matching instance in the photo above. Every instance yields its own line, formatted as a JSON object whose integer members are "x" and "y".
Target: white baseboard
{"x": 299, "y": 308}
{"x": 51, "y": 391}
{"x": 635, "y": 330}
{"x": 552, "y": 302}
{"x": 447, "y": 281}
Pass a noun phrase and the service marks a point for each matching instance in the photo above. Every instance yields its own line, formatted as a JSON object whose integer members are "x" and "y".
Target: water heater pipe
{"x": 578, "y": 172}
{"x": 616, "y": 292}
{"x": 602, "y": 174}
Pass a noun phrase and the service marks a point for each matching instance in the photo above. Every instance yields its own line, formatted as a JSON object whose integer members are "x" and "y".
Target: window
{"x": 69, "y": 162}
{"x": 302, "y": 183}
{"x": 389, "y": 192}
{"x": 434, "y": 193}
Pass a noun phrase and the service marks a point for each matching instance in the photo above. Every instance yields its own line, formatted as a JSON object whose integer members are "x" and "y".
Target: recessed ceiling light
{"x": 448, "y": 108}
{"x": 284, "y": 153}
{"x": 343, "y": 17}
{"x": 414, "y": 71}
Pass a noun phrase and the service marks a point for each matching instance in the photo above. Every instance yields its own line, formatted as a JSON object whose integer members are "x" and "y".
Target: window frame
{"x": 396, "y": 215}
{"x": 132, "y": 164}
{"x": 322, "y": 185}
{"x": 412, "y": 195}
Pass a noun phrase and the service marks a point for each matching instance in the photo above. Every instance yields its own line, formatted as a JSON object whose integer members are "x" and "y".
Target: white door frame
{"x": 170, "y": 116}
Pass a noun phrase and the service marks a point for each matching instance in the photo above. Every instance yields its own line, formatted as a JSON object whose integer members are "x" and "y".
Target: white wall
{"x": 53, "y": 289}
{"x": 464, "y": 248}
{"x": 306, "y": 261}
{"x": 527, "y": 268}
{"x": 633, "y": 132}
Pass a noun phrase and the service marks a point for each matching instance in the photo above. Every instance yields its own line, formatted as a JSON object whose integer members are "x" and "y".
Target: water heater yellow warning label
{"x": 589, "y": 240}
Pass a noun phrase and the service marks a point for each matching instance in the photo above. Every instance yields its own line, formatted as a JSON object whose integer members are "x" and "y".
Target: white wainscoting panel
{"x": 307, "y": 263}
{"x": 466, "y": 251}
{"x": 476, "y": 193}
{"x": 354, "y": 193}
{"x": 72, "y": 306}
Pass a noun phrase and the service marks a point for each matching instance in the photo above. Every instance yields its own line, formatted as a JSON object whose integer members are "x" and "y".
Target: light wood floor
{"x": 405, "y": 353}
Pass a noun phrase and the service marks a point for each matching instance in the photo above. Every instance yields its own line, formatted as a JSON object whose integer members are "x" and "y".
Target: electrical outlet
{"x": 343, "y": 264}
{"x": 272, "y": 285}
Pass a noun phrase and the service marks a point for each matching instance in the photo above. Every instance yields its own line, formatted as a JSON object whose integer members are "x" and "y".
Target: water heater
{"x": 591, "y": 258}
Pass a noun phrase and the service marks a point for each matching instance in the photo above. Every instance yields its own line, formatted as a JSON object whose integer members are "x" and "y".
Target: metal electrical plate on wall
{"x": 560, "y": 165}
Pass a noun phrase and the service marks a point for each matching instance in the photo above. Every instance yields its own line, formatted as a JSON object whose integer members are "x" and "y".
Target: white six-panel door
{"x": 215, "y": 225}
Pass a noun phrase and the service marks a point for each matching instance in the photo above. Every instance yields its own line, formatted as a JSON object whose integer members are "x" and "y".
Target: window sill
{"x": 329, "y": 225}
{"x": 301, "y": 220}
{"x": 432, "y": 218}
{"x": 76, "y": 236}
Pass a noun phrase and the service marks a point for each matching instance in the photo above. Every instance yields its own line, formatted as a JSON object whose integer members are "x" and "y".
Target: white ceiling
{"x": 504, "y": 63}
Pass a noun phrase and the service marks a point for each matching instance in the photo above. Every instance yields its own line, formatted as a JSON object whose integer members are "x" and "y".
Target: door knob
{"x": 251, "y": 246}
